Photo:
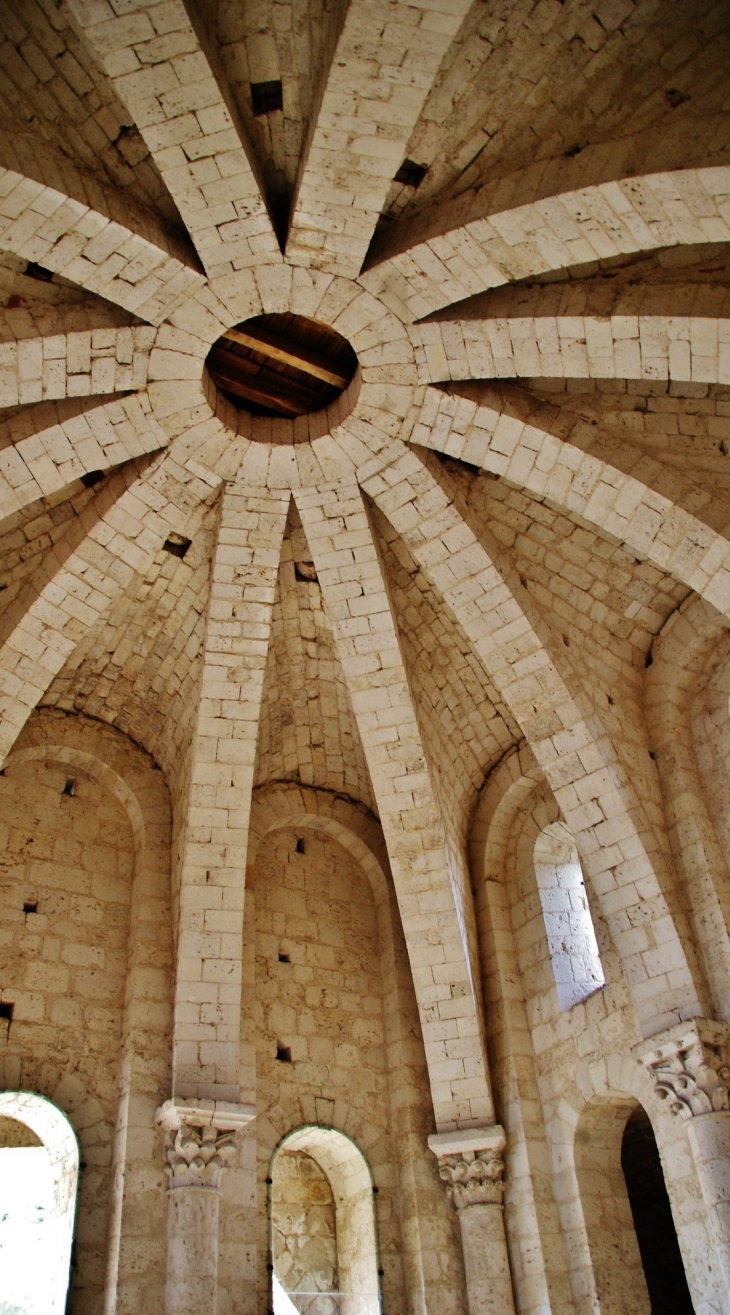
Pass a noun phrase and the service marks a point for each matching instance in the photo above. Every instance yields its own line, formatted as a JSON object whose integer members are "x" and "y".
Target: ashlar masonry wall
{"x": 84, "y": 846}
{"x": 562, "y": 1079}
{"x": 319, "y": 1006}
{"x": 71, "y": 858}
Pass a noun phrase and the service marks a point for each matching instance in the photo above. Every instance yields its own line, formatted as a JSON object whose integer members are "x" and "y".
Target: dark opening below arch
{"x": 653, "y": 1222}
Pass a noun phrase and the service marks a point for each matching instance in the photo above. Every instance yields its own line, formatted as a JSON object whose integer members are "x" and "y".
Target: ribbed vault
{"x": 480, "y": 543}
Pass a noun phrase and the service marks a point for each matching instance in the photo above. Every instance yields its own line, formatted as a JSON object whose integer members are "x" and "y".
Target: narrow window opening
{"x": 283, "y": 1053}
{"x": 6, "y": 1010}
{"x": 576, "y": 961}
{"x": 70, "y": 786}
{"x": 30, "y": 906}
{"x": 266, "y": 97}
{"x": 300, "y": 846}
{"x": 661, "y": 1257}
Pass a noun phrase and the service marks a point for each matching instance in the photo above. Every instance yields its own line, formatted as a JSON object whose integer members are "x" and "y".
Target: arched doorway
{"x": 39, "y": 1164}
{"x": 627, "y": 1214}
{"x": 652, "y": 1215}
{"x": 323, "y": 1234}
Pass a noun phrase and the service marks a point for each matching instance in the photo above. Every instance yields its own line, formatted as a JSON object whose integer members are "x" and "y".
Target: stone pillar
{"x": 689, "y": 1067}
{"x": 471, "y": 1165}
{"x": 200, "y": 1142}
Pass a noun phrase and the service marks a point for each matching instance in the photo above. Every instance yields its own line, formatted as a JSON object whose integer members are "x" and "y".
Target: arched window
{"x": 323, "y": 1237}
{"x": 571, "y": 938}
{"x": 39, "y": 1164}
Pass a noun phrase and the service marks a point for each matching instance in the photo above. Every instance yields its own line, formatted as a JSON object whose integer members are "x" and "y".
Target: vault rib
{"x": 40, "y": 224}
{"x": 598, "y": 802}
{"x": 206, "y": 1034}
{"x": 434, "y": 899}
{"x": 50, "y": 459}
{"x": 392, "y": 53}
{"x": 642, "y": 213}
{"x": 168, "y": 82}
{"x": 116, "y": 537}
{"x": 682, "y": 544}
{"x": 686, "y": 348}
{"x": 76, "y": 363}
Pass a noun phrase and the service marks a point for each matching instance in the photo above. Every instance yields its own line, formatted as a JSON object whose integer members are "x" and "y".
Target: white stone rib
{"x": 168, "y": 82}
{"x": 81, "y": 363}
{"x": 549, "y": 467}
{"x": 384, "y": 66}
{"x": 206, "y": 1041}
{"x": 689, "y": 348}
{"x": 633, "y": 214}
{"x": 42, "y": 225}
{"x": 599, "y": 804}
{"x": 435, "y": 908}
{"x": 99, "y": 438}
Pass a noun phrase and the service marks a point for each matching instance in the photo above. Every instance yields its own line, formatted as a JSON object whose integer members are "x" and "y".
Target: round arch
{"x": 58, "y": 1140}
{"x": 129, "y": 776}
{"x": 350, "y": 1179}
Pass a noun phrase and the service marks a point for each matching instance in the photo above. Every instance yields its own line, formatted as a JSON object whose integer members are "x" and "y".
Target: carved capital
{"x": 471, "y": 1165}
{"x": 689, "y": 1067}
{"x": 473, "y": 1178}
{"x": 197, "y": 1157}
{"x": 200, "y": 1140}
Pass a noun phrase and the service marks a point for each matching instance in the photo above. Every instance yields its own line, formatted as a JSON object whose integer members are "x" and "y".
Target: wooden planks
{"x": 284, "y": 365}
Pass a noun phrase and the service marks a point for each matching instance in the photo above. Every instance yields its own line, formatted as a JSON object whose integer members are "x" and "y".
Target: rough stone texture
{"x": 323, "y": 684}
{"x": 303, "y": 1224}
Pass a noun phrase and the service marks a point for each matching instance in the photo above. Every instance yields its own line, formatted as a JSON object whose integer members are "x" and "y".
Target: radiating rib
{"x": 208, "y": 981}
{"x": 384, "y": 66}
{"x": 649, "y": 523}
{"x": 83, "y": 363}
{"x": 115, "y": 538}
{"x": 97, "y": 439}
{"x": 434, "y": 898}
{"x": 634, "y": 214}
{"x": 191, "y": 129}
{"x": 688, "y": 348}
{"x": 39, "y": 224}
{"x": 598, "y": 802}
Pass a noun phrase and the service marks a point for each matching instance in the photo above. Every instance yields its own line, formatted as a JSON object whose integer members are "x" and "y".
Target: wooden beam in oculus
{"x": 281, "y": 365}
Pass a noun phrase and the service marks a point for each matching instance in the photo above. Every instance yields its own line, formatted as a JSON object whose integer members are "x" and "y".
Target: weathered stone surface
{"x": 291, "y": 708}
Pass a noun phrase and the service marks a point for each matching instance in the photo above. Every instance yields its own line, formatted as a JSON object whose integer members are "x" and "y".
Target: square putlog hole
{"x": 411, "y": 174}
{"x": 266, "y": 97}
{"x": 283, "y": 1053}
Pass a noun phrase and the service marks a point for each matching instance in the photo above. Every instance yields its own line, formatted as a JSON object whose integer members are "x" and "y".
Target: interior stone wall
{"x": 64, "y": 966}
{"x": 88, "y": 975}
{"x": 564, "y": 1086}
{"x": 311, "y": 920}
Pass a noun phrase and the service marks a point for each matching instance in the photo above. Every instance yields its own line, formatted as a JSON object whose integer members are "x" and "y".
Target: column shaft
{"x": 192, "y": 1251}
{"x": 488, "y": 1283}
